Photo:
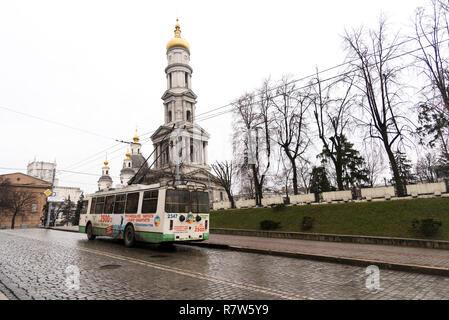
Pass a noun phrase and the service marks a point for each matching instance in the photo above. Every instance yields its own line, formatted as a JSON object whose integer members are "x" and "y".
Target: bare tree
{"x": 304, "y": 174}
{"x": 376, "y": 78}
{"x": 432, "y": 31}
{"x": 14, "y": 201}
{"x": 425, "y": 168}
{"x": 332, "y": 119}
{"x": 252, "y": 138}
{"x": 224, "y": 177}
{"x": 375, "y": 164}
{"x": 290, "y": 114}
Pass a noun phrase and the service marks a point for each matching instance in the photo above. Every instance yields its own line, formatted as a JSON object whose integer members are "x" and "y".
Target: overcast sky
{"x": 99, "y": 66}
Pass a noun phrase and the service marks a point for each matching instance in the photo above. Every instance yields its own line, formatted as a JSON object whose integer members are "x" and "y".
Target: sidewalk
{"x": 424, "y": 260}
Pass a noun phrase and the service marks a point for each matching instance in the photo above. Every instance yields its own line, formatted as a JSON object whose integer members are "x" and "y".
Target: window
{"x": 109, "y": 204}
{"x": 107, "y": 172}
{"x": 119, "y": 203}
{"x": 84, "y": 207}
{"x": 169, "y": 116}
{"x": 149, "y": 204}
{"x": 221, "y": 196}
{"x": 186, "y": 79}
{"x": 188, "y": 115}
{"x": 92, "y": 205}
{"x": 185, "y": 201}
{"x": 200, "y": 201}
{"x": 177, "y": 201}
{"x": 99, "y": 207}
{"x": 132, "y": 202}
{"x": 170, "y": 80}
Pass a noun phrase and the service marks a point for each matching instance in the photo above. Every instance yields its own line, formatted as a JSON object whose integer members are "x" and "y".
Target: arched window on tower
{"x": 188, "y": 115}
{"x": 186, "y": 79}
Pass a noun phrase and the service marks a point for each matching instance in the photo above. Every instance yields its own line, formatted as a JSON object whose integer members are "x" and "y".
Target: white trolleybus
{"x": 148, "y": 213}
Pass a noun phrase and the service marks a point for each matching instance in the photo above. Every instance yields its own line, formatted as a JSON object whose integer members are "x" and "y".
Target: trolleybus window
{"x": 84, "y": 207}
{"x": 200, "y": 201}
{"x": 100, "y": 205}
{"x": 149, "y": 204}
{"x": 132, "y": 201}
{"x": 109, "y": 204}
{"x": 177, "y": 201}
{"x": 185, "y": 201}
{"x": 119, "y": 204}
{"x": 92, "y": 205}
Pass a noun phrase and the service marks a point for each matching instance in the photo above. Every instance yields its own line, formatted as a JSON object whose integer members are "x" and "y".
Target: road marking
{"x": 196, "y": 275}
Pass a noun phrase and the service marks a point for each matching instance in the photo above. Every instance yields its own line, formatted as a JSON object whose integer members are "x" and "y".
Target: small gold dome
{"x": 136, "y": 138}
{"x": 106, "y": 163}
{"x": 128, "y": 155}
{"x": 177, "y": 41}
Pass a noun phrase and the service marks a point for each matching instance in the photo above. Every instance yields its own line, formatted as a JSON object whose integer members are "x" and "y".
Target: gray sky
{"x": 99, "y": 66}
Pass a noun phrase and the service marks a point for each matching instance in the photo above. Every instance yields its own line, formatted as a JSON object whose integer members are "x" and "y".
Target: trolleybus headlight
{"x": 182, "y": 218}
{"x": 198, "y": 218}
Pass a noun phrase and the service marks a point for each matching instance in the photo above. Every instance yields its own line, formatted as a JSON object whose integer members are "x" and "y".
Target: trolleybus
{"x": 148, "y": 213}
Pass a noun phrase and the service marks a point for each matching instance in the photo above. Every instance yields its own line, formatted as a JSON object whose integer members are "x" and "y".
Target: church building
{"x": 180, "y": 144}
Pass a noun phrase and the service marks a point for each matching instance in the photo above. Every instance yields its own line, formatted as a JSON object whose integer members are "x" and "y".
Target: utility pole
{"x": 178, "y": 160}
{"x": 49, "y": 203}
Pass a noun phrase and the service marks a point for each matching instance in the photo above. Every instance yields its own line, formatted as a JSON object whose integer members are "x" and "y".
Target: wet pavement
{"x": 40, "y": 264}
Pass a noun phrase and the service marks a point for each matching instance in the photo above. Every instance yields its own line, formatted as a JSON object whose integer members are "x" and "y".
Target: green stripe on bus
{"x": 82, "y": 229}
{"x": 154, "y": 237}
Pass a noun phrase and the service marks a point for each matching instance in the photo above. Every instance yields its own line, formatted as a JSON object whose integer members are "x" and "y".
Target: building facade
{"x": 31, "y": 214}
{"x": 42, "y": 170}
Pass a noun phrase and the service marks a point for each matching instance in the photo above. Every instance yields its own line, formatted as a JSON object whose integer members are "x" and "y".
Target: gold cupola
{"x": 177, "y": 41}
{"x": 136, "y": 137}
{"x": 106, "y": 162}
{"x": 128, "y": 155}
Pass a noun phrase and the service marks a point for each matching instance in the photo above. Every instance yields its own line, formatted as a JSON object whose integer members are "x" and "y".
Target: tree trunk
{"x": 13, "y": 220}
{"x": 339, "y": 174}
{"x": 231, "y": 198}
{"x": 400, "y": 186}
{"x": 257, "y": 187}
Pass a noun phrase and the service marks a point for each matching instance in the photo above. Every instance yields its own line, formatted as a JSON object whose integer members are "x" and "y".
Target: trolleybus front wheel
{"x": 129, "y": 236}
{"x": 90, "y": 232}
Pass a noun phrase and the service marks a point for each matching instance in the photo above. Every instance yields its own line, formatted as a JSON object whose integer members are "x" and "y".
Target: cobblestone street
{"x": 33, "y": 263}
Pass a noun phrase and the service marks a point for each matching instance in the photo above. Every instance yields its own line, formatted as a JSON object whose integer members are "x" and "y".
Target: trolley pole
{"x": 49, "y": 203}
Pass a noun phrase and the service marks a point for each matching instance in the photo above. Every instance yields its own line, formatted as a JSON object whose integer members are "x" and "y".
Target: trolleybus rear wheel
{"x": 129, "y": 236}
{"x": 90, "y": 232}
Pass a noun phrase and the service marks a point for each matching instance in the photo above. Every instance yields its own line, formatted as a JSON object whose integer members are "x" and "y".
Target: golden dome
{"x": 136, "y": 137}
{"x": 177, "y": 41}
{"x": 128, "y": 155}
{"x": 106, "y": 162}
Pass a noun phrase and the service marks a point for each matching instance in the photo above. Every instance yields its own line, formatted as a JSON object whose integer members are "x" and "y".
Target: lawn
{"x": 383, "y": 218}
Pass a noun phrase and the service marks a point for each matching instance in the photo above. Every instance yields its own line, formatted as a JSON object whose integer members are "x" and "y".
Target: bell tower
{"x": 179, "y": 99}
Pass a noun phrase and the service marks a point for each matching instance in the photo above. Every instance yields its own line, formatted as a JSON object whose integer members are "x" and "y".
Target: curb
{"x": 333, "y": 259}
{"x": 405, "y": 242}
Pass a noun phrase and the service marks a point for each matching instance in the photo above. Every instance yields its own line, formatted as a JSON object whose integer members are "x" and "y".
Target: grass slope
{"x": 383, "y": 218}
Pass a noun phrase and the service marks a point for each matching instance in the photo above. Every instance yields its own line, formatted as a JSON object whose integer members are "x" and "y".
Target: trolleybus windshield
{"x": 186, "y": 201}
